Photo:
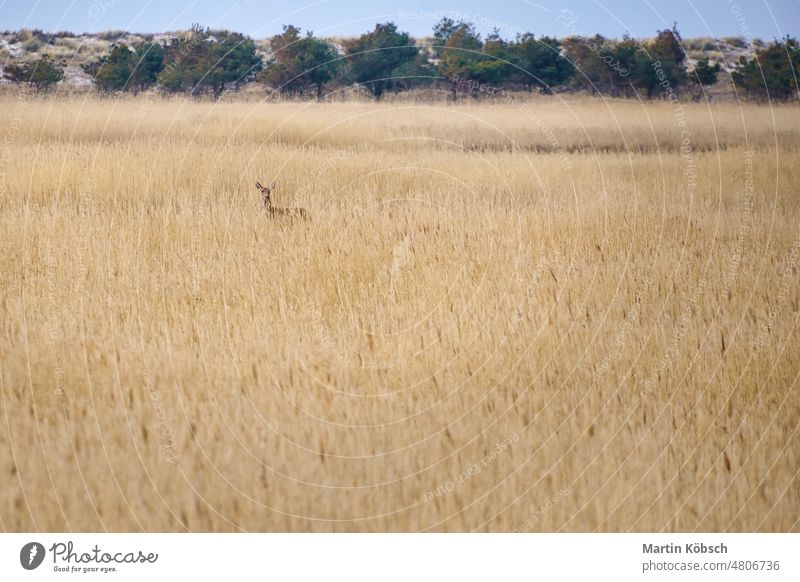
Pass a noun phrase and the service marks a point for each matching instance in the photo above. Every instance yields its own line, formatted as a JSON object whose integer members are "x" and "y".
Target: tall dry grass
{"x": 536, "y": 317}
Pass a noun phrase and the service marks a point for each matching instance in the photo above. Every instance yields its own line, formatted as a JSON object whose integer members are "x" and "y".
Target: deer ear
{"x": 258, "y": 185}
{"x": 271, "y": 186}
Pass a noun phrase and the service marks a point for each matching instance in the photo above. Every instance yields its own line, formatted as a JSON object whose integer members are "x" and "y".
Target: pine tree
{"x": 377, "y": 58}
{"x": 42, "y": 73}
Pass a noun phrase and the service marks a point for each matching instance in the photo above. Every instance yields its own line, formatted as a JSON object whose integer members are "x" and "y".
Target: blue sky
{"x": 750, "y": 18}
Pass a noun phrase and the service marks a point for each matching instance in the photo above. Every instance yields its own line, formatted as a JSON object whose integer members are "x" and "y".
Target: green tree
{"x": 442, "y": 31}
{"x": 771, "y": 73}
{"x": 298, "y": 63}
{"x": 319, "y": 61}
{"x": 42, "y": 73}
{"x": 280, "y": 71}
{"x": 458, "y": 49}
{"x": 540, "y": 63}
{"x": 126, "y": 69}
{"x": 184, "y": 58}
{"x": 591, "y": 72}
{"x": 623, "y": 63}
{"x": 232, "y": 62}
{"x": 495, "y": 70}
{"x": 376, "y": 59}
{"x": 206, "y": 61}
{"x": 667, "y": 46}
{"x": 659, "y": 67}
{"x": 703, "y": 75}
{"x": 148, "y": 63}
{"x": 414, "y": 73}
{"x": 112, "y": 72}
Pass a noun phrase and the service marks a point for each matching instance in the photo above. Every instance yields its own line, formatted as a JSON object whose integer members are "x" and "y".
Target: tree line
{"x": 386, "y": 60}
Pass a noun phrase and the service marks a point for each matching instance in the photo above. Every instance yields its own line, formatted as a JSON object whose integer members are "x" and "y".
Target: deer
{"x": 275, "y": 211}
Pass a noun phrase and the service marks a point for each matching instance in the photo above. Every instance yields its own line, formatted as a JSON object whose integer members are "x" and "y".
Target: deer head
{"x": 266, "y": 194}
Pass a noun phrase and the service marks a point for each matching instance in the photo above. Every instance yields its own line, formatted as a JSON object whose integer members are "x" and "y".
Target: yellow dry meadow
{"x": 541, "y": 315}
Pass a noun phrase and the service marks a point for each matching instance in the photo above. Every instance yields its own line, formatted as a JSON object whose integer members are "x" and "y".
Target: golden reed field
{"x": 538, "y": 315}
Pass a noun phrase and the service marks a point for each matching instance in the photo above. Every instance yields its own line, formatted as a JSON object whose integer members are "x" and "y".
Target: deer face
{"x": 266, "y": 194}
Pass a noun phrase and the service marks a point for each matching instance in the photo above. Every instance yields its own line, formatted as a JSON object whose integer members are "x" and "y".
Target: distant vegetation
{"x": 770, "y": 74}
{"x": 211, "y": 62}
{"x": 42, "y": 73}
{"x": 299, "y": 63}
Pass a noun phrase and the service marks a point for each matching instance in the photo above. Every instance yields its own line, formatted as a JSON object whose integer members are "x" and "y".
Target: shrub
{"x": 41, "y": 74}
